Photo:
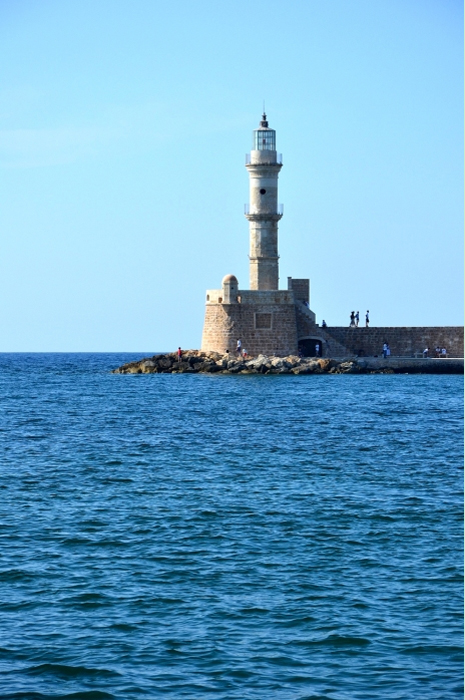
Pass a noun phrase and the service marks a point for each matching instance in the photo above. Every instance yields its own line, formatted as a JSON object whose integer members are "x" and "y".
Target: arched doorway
{"x": 311, "y": 347}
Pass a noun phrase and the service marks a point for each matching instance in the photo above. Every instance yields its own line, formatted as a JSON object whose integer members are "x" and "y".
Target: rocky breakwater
{"x": 195, "y": 361}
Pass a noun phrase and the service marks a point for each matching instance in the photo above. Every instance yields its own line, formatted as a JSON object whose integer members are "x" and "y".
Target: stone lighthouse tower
{"x": 263, "y": 165}
{"x": 265, "y": 318}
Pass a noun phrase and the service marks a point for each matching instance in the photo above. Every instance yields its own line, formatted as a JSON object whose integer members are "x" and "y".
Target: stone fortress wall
{"x": 264, "y": 321}
{"x": 277, "y": 322}
{"x": 271, "y": 321}
{"x": 404, "y": 341}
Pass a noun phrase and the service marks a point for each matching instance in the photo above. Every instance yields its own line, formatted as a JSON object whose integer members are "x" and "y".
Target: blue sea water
{"x": 228, "y": 537}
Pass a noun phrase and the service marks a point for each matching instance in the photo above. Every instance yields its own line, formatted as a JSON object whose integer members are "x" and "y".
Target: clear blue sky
{"x": 123, "y": 130}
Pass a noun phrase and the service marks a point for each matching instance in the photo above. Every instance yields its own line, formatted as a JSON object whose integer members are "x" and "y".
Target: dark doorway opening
{"x": 308, "y": 347}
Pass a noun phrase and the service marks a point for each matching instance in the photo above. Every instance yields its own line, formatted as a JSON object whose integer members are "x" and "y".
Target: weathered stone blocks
{"x": 195, "y": 362}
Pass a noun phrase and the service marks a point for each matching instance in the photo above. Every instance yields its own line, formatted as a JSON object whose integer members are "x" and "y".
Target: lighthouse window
{"x": 262, "y": 191}
{"x": 264, "y": 140}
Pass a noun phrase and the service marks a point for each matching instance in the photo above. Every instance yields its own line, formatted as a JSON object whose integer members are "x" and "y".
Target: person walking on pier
{"x": 367, "y": 319}
{"x": 352, "y": 319}
{"x": 385, "y": 347}
{"x": 357, "y": 319}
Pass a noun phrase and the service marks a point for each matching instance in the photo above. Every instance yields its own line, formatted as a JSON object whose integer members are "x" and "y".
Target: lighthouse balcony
{"x": 263, "y": 216}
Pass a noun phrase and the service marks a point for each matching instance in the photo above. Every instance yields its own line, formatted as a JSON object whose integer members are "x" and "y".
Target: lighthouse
{"x": 267, "y": 320}
{"x": 263, "y": 213}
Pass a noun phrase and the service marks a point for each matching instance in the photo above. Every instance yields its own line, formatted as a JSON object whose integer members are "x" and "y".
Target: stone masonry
{"x": 271, "y": 321}
{"x": 407, "y": 341}
{"x": 264, "y": 321}
{"x": 263, "y": 317}
{"x": 404, "y": 341}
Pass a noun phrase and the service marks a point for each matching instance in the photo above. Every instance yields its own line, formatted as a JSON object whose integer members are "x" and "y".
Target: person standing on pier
{"x": 367, "y": 319}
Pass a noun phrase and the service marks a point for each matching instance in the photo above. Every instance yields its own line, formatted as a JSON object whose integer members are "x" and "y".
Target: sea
{"x": 228, "y": 537}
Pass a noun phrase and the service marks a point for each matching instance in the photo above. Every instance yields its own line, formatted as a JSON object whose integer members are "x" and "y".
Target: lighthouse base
{"x": 264, "y": 321}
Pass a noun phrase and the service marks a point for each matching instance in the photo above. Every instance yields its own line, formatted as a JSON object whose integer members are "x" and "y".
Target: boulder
{"x": 165, "y": 362}
{"x": 181, "y": 366}
{"x": 302, "y": 369}
{"x": 207, "y": 366}
{"x": 332, "y": 364}
{"x": 234, "y": 369}
{"x": 324, "y": 364}
{"x": 349, "y": 368}
{"x": 277, "y": 363}
{"x": 313, "y": 365}
{"x": 291, "y": 361}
